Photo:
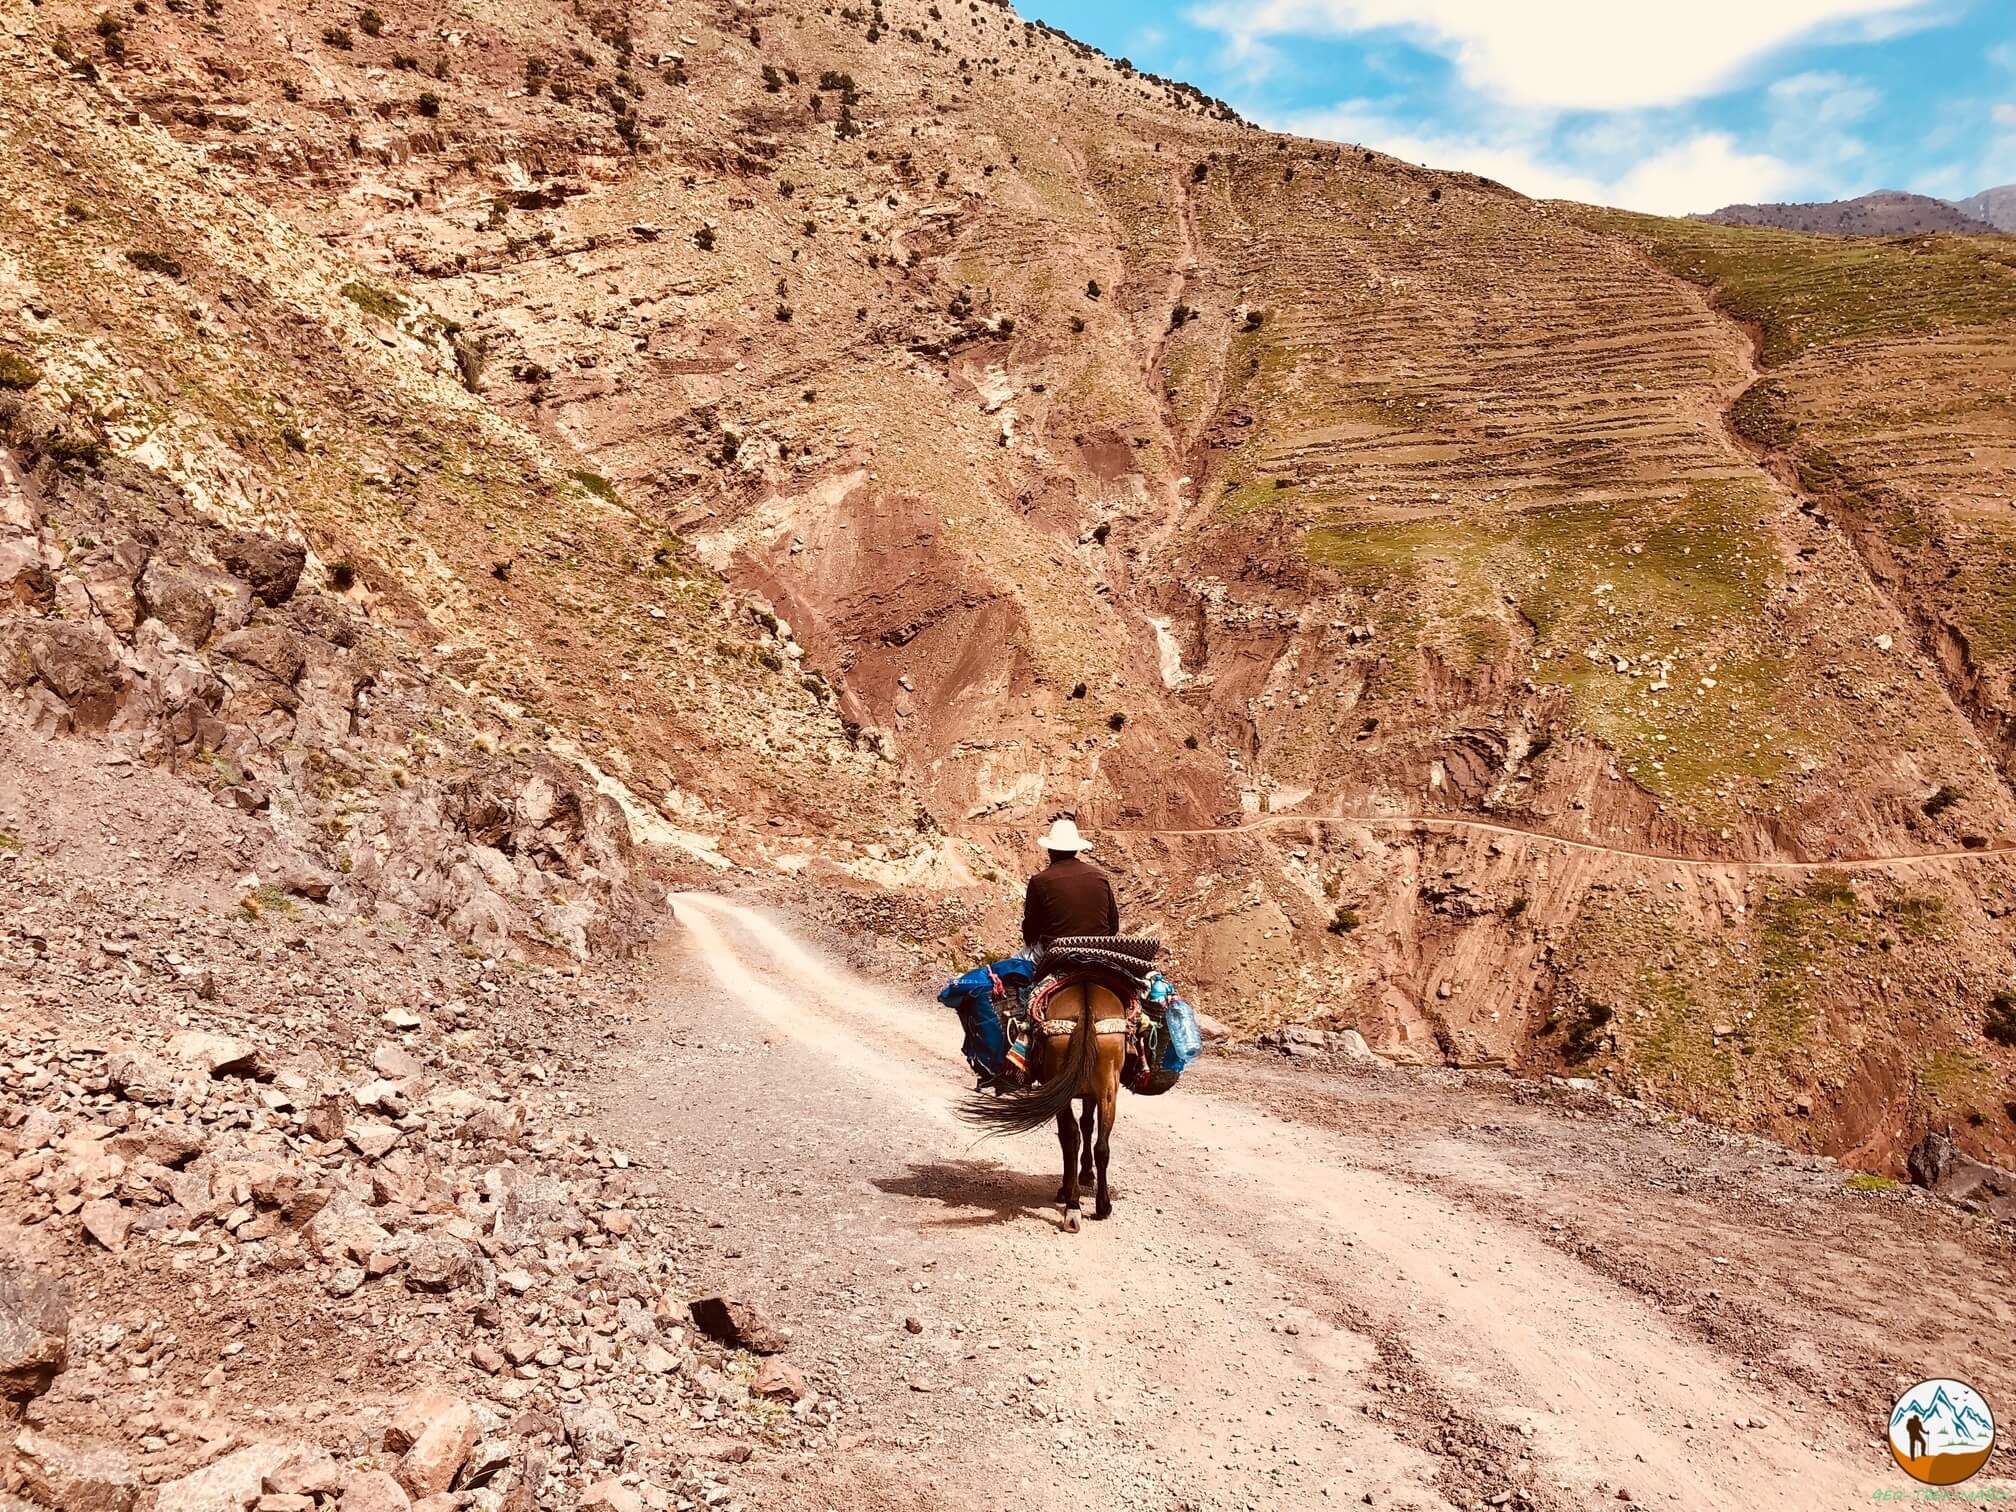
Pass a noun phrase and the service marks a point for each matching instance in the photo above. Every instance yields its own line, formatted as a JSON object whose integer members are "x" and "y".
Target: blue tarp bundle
{"x": 978, "y": 997}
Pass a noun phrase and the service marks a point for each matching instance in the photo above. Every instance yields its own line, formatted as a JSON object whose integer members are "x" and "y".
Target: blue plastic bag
{"x": 1181, "y": 1041}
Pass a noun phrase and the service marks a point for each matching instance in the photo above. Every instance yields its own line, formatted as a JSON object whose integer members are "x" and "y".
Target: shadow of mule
{"x": 980, "y": 1193}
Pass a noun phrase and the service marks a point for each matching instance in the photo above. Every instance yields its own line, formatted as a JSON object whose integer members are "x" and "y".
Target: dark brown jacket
{"x": 1070, "y": 897}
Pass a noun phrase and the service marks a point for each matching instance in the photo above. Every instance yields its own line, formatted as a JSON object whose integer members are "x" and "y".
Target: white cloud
{"x": 1571, "y": 54}
{"x": 2004, "y": 115}
{"x": 1705, "y": 172}
{"x": 1827, "y": 100}
{"x": 1701, "y": 171}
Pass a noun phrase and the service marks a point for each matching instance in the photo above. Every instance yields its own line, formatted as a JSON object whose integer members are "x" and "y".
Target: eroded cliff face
{"x": 853, "y": 438}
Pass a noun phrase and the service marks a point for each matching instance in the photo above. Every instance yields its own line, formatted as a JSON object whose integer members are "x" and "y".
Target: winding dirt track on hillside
{"x": 1283, "y": 1312}
{"x": 1483, "y": 826}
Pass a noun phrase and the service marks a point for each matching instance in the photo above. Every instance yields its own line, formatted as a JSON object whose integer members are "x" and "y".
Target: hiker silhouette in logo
{"x": 1914, "y": 1430}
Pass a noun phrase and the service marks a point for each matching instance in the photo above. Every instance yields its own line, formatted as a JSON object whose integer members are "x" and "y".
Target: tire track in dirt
{"x": 1509, "y": 1347}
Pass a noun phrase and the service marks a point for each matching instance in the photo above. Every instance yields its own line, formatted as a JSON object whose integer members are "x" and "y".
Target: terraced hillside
{"x": 866, "y": 433}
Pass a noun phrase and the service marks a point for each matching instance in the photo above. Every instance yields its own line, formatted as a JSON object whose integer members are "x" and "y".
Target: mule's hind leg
{"x": 1067, "y": 1194}
{"x": 1085, "y": 1139}
{"x": 1109, "y": 1105}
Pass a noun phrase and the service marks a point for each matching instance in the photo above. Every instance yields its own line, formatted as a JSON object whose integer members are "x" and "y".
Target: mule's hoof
{"x": 1103, "y": 1210}
{"x": 1061, "y": 1197}
{"x": 1071, "y": 1220}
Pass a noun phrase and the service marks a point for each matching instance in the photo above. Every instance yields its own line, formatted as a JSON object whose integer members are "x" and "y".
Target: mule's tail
{"x": 1019, "y": 1112}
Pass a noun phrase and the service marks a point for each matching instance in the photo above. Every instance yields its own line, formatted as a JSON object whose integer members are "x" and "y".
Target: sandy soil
{"x": 1375, "y": 1286}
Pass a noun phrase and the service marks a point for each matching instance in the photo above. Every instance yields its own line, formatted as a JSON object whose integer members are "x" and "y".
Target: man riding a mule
{"x": 1080, "y": 1040}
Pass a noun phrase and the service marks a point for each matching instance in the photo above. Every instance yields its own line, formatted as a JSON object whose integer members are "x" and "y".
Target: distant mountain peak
{"x": 1995, "y": 206}
{"x": 1886, "y": 212}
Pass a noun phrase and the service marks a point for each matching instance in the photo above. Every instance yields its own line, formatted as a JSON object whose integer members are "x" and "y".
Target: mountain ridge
{"x": 1884, "y": 212}
{"x": 1995, "y": 206}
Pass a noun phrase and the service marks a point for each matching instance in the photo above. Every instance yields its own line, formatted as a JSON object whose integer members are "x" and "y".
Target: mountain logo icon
{"x": 1941, "y": 1432}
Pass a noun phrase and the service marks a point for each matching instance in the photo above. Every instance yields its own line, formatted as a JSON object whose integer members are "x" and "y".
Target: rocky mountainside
{"x": 1887, "y": 212}
{"x": 848, "y": 439}
{"x": 468, "y": 465}
{"x": 1995, "y": 206}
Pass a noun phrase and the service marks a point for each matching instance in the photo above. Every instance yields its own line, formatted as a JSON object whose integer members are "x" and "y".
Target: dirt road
{"x": 1452, "y": 825}
{"x": 1396, "y": 1288}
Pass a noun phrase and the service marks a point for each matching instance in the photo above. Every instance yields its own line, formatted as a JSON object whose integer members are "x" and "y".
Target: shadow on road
{"x": 979, "y": 1193}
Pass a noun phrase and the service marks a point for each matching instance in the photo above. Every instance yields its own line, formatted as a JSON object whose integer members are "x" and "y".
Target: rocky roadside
{"x": 294, "y": 1214}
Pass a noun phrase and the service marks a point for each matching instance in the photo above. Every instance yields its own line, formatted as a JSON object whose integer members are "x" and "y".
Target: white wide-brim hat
{"x": 1064, "y": 836}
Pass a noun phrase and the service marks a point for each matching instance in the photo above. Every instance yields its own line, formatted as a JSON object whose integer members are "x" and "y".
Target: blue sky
{"x": 1664, "y": 105}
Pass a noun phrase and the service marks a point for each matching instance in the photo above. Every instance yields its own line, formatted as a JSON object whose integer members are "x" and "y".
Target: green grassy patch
{"x": 1256, "y": 494}
{"x": 1762, "y": 415}
{"x": 1956, "y": 1081}
{"x": 1676, "y": 1042}
{"x": 1987, "y": 593}
{"x": 374, "y": 301}
{"x": 596, "y": 484}
{"x": 1818, "y": 291}
{"x": 10, "y": 842}
{"x": 1798, "y": 928}
{"x": 1677, "y": 588}
{"x": 18, "y": 372}
{"x": 1376, "y": 556}
{"x": 265, "y": 901}
{"x": 1862, "y": 1181}
{"x": 1916, "y": 916}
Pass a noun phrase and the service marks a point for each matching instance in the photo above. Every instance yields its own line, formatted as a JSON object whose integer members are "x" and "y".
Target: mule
{"x": 1077, "y": 1058}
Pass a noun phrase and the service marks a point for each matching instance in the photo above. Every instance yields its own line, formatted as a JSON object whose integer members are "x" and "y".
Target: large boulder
{"x": 270, "y": 648}
{"x": 272, "y": 566}
{"x": 171, "y": 1146}
{"x": 75, "y": 1477}
{"x": 439, "y": 1263}
{"x": 193, "y": 601}
{"x": 139, "y": 1078}
{"x": 611, "y": 1495}
{"x": 20, "y": 501}
{"x": 25, "y": 580}
{"x": 737, "y": 1325}
{"x": 34, "y": 1332}
{"x": 78, "y": 663}
{"x": 776, "y": 1379}
{"x": 1938, "y": 1165}
{"x": 233, "y": 1484}
{"x": 374, "y": 1491}
{"x": 218, "y": 1054}
{"x": 311, "y": 1472}
{"x": 593, "y": 1433}
{"x": 344, "y": 1230}
{"x": 106, "y": 575}
{"x": 432, "y": 1435}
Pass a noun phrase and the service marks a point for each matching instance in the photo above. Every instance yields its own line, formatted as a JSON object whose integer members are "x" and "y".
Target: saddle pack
{"x": 1001, "y": 1004}
{"x": 984, "y": 998}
